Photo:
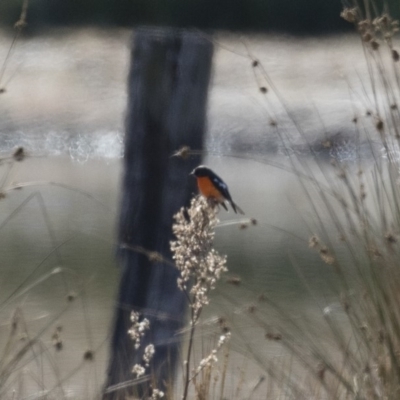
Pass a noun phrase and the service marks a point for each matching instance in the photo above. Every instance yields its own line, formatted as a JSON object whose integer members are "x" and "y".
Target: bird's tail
{"x": 224, "y": 205}
{"x": 236, "y": 208}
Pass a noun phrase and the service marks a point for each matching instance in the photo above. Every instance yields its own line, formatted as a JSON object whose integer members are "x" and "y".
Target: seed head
{"x": 313, "y": 242}
{"x": 349, "y": 15}
{"x": 390, "y": 237}
{"x": 88, "y": 355}
{"x": 183, "y": 152}
{"x": 56, "y": 339}
{"x": 71, "y": 296}
{"x": 20, "y": 24}
{"x": 138, "y": 370}
{"x": 273, "y": 336}
{"x": 207, "y": 362}
{"x": 138, "y": 329}
{"x": 19, "y": 154}
{"x": 148, "y": 354}
{"x": 374, "y": 45}
{"x": 326, "y": 255}
{"x": 379, "y": 125}
{"x": 367, "y": 37}
{"x": 195, "y": 258}
{"x": 157, "y": 394}
{"x": 364, "y": 26}
{"x": 234, "y": 280}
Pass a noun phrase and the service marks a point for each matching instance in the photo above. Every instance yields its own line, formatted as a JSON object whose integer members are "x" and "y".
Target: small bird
{"x": 212, "y": 187}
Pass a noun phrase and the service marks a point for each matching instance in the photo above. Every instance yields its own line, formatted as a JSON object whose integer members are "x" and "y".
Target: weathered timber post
{"x": 168, "y": 84}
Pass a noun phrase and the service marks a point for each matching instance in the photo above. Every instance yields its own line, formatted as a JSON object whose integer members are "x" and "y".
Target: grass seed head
{"x": 148, "y": 354}
{"x": 327, "y": 257}
{"x": 379, "y": 125}
{"x": 374, "y": 45}
{"x": 71, "y": 296}
{"x": 314, "y": 242}
{"x": 88, "y": 355}
{"x": 234, "y": 280}
{"x": 138, "y": 370}
{"x": 273, "y": 336}
{"x": 195, "y": 258}
{"x": 390, "y": 238}
{"x": 367, "y": 37}
{"x": 157, "y": 394}
{"x": 19, "y": 154}
{"x": 183, "y": 152}
{"x": 56, "y": 339}
{"x": 138, "y": 328}
{"x": 350, "y": 14}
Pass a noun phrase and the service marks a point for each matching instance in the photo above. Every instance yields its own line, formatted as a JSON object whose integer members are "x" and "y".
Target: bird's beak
{"x": 192, "y": 173}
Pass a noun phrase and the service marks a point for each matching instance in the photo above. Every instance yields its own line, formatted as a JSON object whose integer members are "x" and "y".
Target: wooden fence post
{"x": 168, "y": 85}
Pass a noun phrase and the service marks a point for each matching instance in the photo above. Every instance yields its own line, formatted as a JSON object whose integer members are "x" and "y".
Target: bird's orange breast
{"x": 207, "y": 189}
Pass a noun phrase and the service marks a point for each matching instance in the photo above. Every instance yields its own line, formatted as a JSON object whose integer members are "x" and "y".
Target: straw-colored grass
{"x": 352, "y": 352}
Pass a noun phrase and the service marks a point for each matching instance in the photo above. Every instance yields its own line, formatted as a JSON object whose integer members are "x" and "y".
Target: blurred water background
{"x": 64, "y": 103}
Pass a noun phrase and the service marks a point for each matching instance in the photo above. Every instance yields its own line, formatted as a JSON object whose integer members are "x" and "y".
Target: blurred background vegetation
{"x": 292, "y": 16}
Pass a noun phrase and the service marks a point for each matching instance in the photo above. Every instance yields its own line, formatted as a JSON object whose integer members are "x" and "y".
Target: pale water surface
{"x": 65, "y": 102}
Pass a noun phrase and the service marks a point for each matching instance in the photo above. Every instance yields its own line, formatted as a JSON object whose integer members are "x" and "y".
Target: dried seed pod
{"x": 19, "y": 154}
{"x": 379, "y": 125}
{"x": 367, "y": 37}
{"x": 374, "y": 45}
{"x": 349, "y": 15}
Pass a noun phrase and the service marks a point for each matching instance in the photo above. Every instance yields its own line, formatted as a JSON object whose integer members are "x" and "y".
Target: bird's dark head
{"x": 201, "y": 171}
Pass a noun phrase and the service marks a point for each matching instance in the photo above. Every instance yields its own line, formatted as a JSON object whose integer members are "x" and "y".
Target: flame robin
{"x": 213, "y": 188}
